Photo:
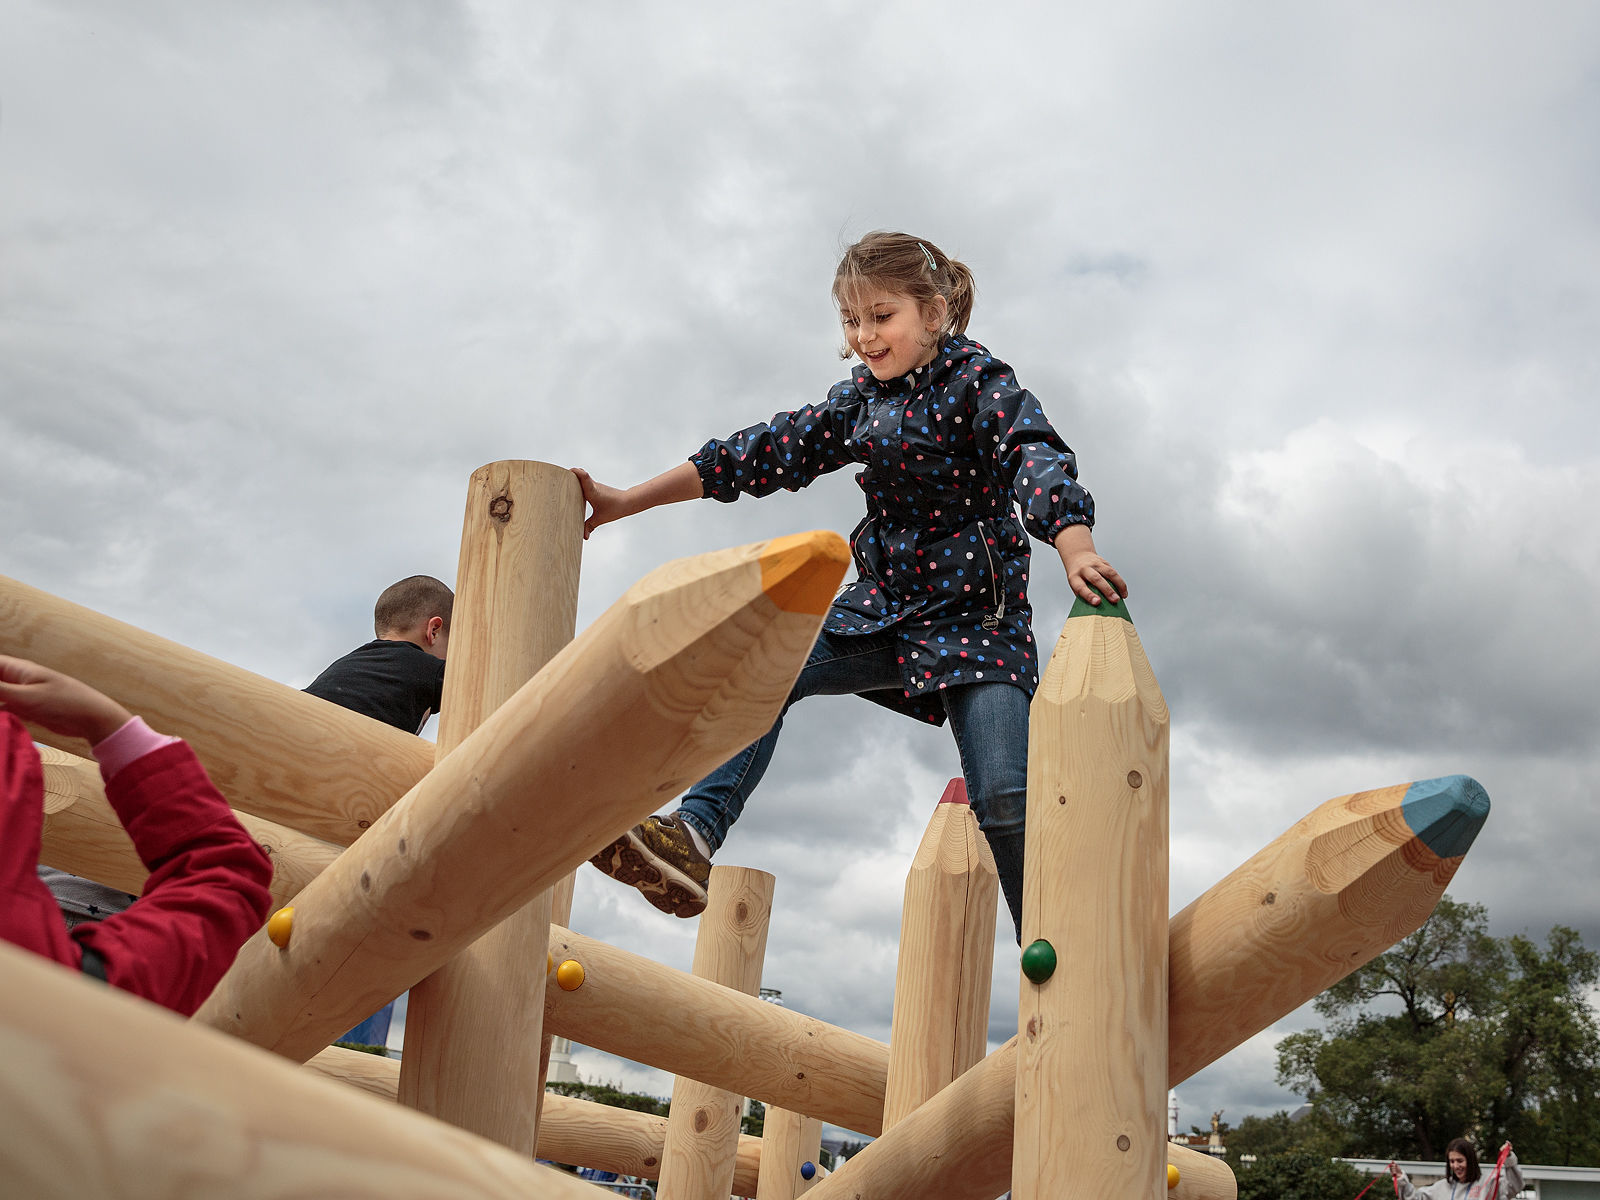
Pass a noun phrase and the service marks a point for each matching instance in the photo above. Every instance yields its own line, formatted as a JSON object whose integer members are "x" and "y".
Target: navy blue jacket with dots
{"x": 950, "y": 452}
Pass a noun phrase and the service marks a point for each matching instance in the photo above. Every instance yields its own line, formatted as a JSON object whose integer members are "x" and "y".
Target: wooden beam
{"x": 1091, "y": 1090}
{"x": 646, "y": 1011}
{"x": 692, "y": 664}
{"x": 920, "y": 1160}
{"x": 473, "y": 1028}
{"x": 577, "y": 1132}
{"x": 106, "y": 1095}
{"x": 730, "y": 948}
{"x": 271, "y": 750}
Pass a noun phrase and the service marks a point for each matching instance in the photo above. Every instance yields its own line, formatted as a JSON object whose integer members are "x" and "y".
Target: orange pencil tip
{"x": 801, "y": 572}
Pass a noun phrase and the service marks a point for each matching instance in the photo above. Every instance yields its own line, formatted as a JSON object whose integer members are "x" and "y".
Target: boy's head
{"x": 415, "y": 610}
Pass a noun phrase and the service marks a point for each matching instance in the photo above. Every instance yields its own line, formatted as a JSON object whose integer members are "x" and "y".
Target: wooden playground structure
{"x": 448, "y": 869}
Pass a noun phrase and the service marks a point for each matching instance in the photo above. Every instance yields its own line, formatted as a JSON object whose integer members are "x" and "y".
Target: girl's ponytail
{"x": 908, "y": 266}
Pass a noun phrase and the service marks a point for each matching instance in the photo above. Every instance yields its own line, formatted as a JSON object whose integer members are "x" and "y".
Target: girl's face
{"x": 1458, "y": 1165}
{"x": 890, "y": 332}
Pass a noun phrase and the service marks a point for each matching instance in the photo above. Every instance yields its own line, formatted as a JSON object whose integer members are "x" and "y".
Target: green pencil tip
{"x": 1082, "y": 608}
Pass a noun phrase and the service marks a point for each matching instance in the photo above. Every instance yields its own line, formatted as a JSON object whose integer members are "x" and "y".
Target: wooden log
{"x": 729, "y": 950}
{"x": 1091, "y": 1089}
{"x": 942, "y": 980}
{"x": 693, "y": 663}
{"x": 790, "y": 1142}
{"x": 919, "y": 1159}
{"x": 474, "y": 1027}
{"x": 1342, "y": 885}
{"x": 82, "y": 834}
{"x": 1355, "y": 876}
{"x": 273, "y": 751}
{"x": 577, "y": 1132}
{"x": 104, "y": 1095}
{"x": 643, "y": 1010}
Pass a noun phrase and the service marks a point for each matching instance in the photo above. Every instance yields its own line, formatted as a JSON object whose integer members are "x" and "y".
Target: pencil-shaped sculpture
{"x": 105, "y": 1095}
{"x": 271, "y": 750}
{"x": 1091, "y": 1089}
{"x": 942, "y": 979}
{"x": 82, "y": 834}
{"x": 575, "y": 1131}
{"x": 1357, "y": 874}
{"x": 692, "y": 664}
{"x": 646, "y": 1011}
{"x": 1342, "y": 885}
{"x": 729, "y": 950}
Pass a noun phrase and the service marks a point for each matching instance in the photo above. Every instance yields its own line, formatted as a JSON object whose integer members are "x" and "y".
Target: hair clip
{"x": 933, "y": 267}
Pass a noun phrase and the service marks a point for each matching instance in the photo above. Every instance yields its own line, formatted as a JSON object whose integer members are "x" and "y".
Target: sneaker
{"x": 660, "y": 859}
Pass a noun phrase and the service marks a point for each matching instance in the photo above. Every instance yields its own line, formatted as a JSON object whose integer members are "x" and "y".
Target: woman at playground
{"x": 937, "y": 624}
{"x": 1464, "y": 1179}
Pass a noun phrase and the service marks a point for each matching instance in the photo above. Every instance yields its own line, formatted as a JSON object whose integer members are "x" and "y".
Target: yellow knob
{"x": 1172, "y": 1176}
{"x": 569, "y": 975}
{"x": 279, "y": 925}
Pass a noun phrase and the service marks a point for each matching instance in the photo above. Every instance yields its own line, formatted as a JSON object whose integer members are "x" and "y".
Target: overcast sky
{"x": 1312, "y": 290}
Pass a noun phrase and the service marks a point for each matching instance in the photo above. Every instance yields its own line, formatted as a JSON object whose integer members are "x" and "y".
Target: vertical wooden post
{"x": 789, "y": 1142}
{"x": 1091, "y": 1086}
{"x": 474, "y": 1029}
{"x": 941, "y": 987}
{"x": 703, "y": 1124}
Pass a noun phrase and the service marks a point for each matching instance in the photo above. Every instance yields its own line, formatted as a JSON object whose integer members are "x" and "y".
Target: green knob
{"x": 1039, "y": 961}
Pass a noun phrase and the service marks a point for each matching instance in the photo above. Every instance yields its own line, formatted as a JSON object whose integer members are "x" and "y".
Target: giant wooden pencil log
{"x": 272, "y": 751}
{"x": 578, "y": 1132}
{"x": 1342, "y": 885}
{"x": 82, "y": 834}
{"x": 692, "y": 664}
{"x": 1092, "y": 1052}
{"x": 105, "y": 1096}
{"x": 942, "y": 981}
{"x": 640, "y": 1009}
{"x": 1354, "y": 876}
{"x": 703, "y": 1122}
{"x": 788, "y": 1142}
{"x": 957, "y": 1146}
{"x": 473, "y": 1028}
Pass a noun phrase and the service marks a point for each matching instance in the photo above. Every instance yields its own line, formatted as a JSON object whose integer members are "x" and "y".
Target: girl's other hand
{"x": 59, "y": 702}
{"x": 1088, "y": 575}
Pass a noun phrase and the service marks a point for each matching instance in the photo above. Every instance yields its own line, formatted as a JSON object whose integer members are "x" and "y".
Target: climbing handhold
{"x": 1039, "y": 961}
{"x": 280, "y": 925}
{"x": 569, "y": 975}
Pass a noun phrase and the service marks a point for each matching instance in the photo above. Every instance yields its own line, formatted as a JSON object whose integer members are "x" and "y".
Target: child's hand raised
{"x": 606, "y": 504}
{"x": 59, "y": 702}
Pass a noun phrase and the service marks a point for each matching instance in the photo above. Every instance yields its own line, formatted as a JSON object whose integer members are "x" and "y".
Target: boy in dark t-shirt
{"x": 399, "y": 677}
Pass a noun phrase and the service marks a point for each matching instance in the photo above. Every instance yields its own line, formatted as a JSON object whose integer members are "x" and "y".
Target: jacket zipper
{"x": 992, "y": 621}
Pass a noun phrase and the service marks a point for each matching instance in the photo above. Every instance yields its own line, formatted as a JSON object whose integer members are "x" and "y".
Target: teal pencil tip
{"x": 1446, "y": 813}
{"x": 1082, "y": 608}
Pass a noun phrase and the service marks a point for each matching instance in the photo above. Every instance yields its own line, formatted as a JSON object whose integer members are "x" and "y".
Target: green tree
{"x": 610, "y": 1094}
{"x": 1258, "y": 1138}
{"x": 1454, "y": 1032}
{"x": 1299, "y": 1175}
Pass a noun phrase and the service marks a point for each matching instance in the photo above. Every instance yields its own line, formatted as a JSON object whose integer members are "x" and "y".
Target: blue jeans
{"x": 989, "y": 720}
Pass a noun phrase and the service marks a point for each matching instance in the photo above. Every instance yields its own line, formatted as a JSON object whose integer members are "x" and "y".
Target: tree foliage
{"x": 1454, "y": 1032}
{"x": 1299, "y": 1175}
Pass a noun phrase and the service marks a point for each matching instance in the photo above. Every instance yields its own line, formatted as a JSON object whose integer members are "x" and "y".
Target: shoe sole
{"x": 628, "y": 861}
